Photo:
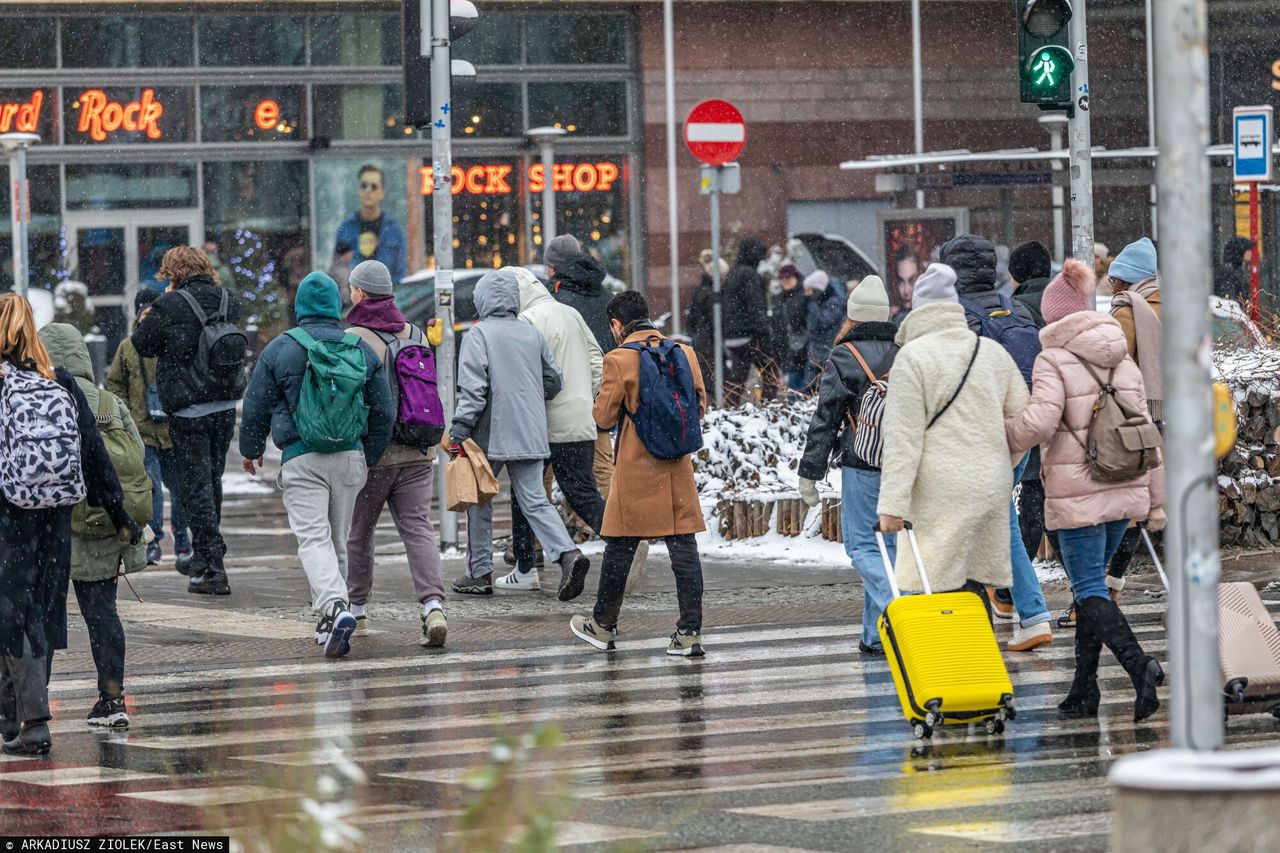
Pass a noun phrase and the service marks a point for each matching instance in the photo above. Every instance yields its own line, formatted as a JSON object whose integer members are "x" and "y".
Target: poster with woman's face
{"x": 912, "y": 240}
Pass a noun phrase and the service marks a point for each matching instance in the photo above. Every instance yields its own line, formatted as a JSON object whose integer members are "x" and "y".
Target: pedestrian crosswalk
{"x": 784, "y": 737}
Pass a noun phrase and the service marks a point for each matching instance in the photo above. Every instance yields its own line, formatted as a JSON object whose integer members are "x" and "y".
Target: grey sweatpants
{"x": 526, "y": 485}
{"x": 320, "y": 491}
{"x": 407, "y": 488}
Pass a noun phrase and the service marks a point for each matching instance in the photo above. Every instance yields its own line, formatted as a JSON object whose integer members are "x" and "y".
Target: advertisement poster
{"x": 911, "y": 241}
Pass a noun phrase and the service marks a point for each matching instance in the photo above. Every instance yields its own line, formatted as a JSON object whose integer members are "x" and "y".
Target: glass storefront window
{"x": 50, "y": 262}
{"x": 30, "y": 111}
{"x": 251, "y": 113}
{"x": 247, "y": 40}
{"x": 591, "y": 204}
{"x": 355, "y": 40}
{"x": 487, "y": 110}
{"x": 576, "y": 39}
{"x": 361, "y": 203}
{"x": 128, "y": 114}
{"x": 494, "y": 41}
{"x": 118, "y": 186}
{"x": 127, "y": 41}
{"x": 359, "y": 112}
{"x": 28, "y": 42}
{"x": 587, "y": 109}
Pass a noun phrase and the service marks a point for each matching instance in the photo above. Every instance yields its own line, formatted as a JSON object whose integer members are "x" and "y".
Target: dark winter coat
{"x": 171, "y": 332}
{"x": 276, "y": 384}
{"x": 974, "y": 260}
{"x": 826, "y": 314}
{"x": 1231, "y": 280}
{"x": 580, "y": 284}
{"x": 745, "y": 314}
{"x": 35, "y": 545}
{"x": 699, "y": 320}
{"x": 1029, "y": 294}
{"x": 128, "y": 378}
{"x": 840, "y": 390}
{"x": 789, "y": 329}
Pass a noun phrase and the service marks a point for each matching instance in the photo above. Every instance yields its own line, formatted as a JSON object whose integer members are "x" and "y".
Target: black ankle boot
{"x": 1105, "y": 618}
{"x": 1083, "y": 698}
{"x": 32, "y": 739}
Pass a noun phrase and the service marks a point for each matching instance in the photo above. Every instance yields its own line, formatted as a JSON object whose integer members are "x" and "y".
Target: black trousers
{"x": 1124, "y": 554}
{"x": 200, "y": 449}
{"x": 619, "y": 551}
{"x": 572, "y": 463}
{"x": 738, "y": 364}
{"x": 1031, "y": 515}
{"x": 106, "y": 635}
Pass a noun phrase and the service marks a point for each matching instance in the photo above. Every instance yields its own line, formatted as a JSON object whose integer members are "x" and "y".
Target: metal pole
{"x": 673, "y": 211}
{"x": 19, "y": 201}
{"x": 1081, "y": 162}
{"x": 1254, "y": 282}
{"x": 1191, "y": 542}
{"x": 717, "y": 324}
{"x": 1054, "y": 125}
{"x": 1151, "y": 114}
{"x": 917, "y": 90}
{"x": 548, "y": 195}
{"x": 437, "y": 11}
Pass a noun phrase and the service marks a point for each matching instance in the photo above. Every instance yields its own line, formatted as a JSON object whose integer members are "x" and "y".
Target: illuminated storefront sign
{"x": 23, "y": 117}
{"x": 99, "y": 115}
{"x": 493, "y": 179}
{"x": 266, "y": 114}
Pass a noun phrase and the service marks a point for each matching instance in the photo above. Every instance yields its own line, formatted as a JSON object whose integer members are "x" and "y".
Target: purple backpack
{"x": 410, "y": 366}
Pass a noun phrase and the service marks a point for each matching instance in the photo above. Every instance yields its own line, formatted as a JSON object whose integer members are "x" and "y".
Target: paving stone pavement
{"x": 783, "y": 738}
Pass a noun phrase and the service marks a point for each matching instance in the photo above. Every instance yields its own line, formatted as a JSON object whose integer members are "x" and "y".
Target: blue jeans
{"x": 162, "y": 467}
{"x": 1085, "y": 553}
{"x": 1027, "y": 596}
{"x": 859, "y": 494}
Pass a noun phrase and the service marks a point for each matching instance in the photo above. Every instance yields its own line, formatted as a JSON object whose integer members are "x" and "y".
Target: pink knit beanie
{"x": 1070, "y": 291}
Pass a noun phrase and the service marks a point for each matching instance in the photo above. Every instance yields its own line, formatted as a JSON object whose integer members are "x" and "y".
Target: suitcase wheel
{"x": 922, "y": 730}
{"x": 995, "y": 726}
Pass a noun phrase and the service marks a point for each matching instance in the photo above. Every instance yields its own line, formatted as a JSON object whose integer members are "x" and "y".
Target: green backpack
{"x": 331, "y": 413}
{"x": 126, "y": 458}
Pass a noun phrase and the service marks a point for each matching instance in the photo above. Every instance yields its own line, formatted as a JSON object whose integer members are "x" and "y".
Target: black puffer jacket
{"x": 1231, "y": 280}
{"x": 742, "y": 297}
{"x": 579, "y": 283}
{"x": 1030, "y": 294}
{"x": 840, "y": 392}
{"x": 974, "y": 260}
{"x": 171, "y": 333}
{"x": 788, "y": 329}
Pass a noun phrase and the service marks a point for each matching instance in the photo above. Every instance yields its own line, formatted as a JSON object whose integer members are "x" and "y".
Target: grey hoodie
{"x": 505, "y": 376}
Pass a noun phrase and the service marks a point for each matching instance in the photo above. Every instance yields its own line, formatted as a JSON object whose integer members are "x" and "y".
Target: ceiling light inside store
{"x": 475, "y": 119}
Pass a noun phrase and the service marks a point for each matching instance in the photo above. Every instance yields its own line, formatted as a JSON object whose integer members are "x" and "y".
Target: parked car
{"x": 837, "y": 255}
{"x": 416, "y": 296}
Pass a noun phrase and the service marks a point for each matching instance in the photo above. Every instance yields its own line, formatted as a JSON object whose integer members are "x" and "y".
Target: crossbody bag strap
{"x": 963, "y": 379}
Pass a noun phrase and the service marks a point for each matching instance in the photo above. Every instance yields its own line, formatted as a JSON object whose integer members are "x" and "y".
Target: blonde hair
{"x": 19, "y": 342}
{"x": 182, "y": 262}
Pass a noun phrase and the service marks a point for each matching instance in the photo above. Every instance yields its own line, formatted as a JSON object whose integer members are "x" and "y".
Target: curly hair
{"x": 182, "y": 262}
{"x": 19, "y": 342}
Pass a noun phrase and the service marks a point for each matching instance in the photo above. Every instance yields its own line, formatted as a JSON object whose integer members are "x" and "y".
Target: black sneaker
{"x": 182, "y": 558}
{"x": 32, "y": 739}
{"x": 467, "y": 585}
{"x": 869, "y": 650}
{"x": 212, "y": 582}
{"x": 109, "y": 714}
{"x": 574, "y": 566}
{"x": 334, "y": 630}
{"x": 154, "y": 553}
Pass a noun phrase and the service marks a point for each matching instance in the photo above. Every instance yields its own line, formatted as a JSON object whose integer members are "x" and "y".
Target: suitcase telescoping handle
{"x": 1155, "y": 558}
{"x": 915, "y": 552}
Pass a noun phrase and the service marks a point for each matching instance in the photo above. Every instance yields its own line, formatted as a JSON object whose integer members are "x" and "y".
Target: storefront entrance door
{"x": 117, "y": 253}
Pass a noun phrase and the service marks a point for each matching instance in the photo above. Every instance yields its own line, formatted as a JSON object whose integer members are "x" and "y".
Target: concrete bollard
{"x": 1176, "y": 800}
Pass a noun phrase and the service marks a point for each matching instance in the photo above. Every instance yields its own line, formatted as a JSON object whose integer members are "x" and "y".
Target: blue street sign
{"x": 1254, "y": 135}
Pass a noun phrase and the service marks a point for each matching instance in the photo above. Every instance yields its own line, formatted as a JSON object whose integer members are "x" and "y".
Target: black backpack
{"x": 217, "y": 372}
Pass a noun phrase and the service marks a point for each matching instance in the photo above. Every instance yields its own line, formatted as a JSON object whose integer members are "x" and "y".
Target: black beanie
{"x": 144, "y": 297}
{"x": 1028, "y": 261}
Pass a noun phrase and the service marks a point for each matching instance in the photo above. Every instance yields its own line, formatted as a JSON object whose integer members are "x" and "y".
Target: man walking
{"x": 505, "y": 376}
{"x": 198, "y": 387}
{"x": 403, "y": 478}
{"x": 652, "y": 498}
{"x": 331, "y": 427}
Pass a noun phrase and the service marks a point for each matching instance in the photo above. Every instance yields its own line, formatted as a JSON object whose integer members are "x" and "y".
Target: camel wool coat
{"x": 952, "y": 481}
{"x": 649, "y": 498}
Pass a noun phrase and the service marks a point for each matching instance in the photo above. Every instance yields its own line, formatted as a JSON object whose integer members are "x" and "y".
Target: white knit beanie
{"x": 936, "y": 284}
{"x": 869, "y": 303}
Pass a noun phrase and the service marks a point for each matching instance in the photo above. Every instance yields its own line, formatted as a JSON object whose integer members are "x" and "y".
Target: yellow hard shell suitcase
{"x": 944, "y": 657}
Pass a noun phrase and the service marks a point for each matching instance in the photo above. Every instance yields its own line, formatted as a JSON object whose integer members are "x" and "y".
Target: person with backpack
{"x": 506, "y": 375}
{"x": 653, "y": 392}
{"x": 404, "y": 477}
{"x": 1011, "y": 324}
{"x": 321, "y": 393}
{"x": 132, "y": 378}
{"x": 191, "y": 331}
{"x": 846, "y": 429}
{"x": 1101, "y": 470}
{"x": 946, "y": 466}
{"x": 98, "y": 557}
{"x": 51, "y": 458}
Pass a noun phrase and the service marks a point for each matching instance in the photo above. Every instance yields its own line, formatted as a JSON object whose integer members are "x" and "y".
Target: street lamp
{"x": 545, "y": 138}
{"x": 15, "y": 145}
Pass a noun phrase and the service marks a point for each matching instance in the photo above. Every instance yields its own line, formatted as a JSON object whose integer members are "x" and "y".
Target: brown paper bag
{"x": 486, "y": 482}
{"x": 461, "y": 491}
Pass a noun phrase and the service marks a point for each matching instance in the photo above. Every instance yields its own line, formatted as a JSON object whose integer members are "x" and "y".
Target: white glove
{"x": 809, "y": 491}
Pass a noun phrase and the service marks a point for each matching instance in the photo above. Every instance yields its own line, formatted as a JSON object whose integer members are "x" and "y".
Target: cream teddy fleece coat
{"x": 952, "y": 481}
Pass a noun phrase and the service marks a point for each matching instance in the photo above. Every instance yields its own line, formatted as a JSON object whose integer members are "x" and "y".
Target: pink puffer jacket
{"x": 1062, "y": 398}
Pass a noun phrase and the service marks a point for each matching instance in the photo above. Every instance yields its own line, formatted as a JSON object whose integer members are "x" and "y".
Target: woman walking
{"x": 1083, "y": 352}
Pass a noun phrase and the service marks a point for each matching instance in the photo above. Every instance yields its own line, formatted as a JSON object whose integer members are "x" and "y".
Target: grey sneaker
{"x": 685, "y": 645}
{"x": 574, "y": 566}
{"x": 434, "y": 629}
{"x": 585, "y": 628}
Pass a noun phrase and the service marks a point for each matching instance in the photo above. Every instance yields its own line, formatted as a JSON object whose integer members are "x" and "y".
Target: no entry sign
{"x": 715, "y": 132}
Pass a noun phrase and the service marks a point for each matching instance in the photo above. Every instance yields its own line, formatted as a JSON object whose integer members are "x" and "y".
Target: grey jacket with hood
{"x": 505, "y": 376}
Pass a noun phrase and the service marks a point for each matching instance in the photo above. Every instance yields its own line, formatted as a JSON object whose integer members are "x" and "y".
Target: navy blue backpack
{"x": 667, "y": 419}
{"x": 1019, "y": 336}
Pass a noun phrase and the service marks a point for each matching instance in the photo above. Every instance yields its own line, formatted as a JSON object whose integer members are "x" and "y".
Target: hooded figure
{"x": 974, "y": 260}
{"x": 1231, "y": 281}
{"x": 579, "y": 283}
{"x": 742, "y": 295}
{"x": 825, "y": 306}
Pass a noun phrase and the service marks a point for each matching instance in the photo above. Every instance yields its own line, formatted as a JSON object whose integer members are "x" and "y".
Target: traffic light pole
{"x": 437, "y": 12}
{"x": 1081, "y": 162}
{"x": 1191, "y": 541}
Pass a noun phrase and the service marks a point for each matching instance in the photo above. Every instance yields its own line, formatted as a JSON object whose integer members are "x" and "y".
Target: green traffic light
{"x": 1049, "y": 68}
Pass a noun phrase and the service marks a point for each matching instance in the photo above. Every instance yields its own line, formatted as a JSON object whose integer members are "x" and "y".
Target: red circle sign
{"x": 715, "y": 132}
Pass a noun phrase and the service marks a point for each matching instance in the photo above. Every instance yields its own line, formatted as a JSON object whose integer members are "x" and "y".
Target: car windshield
{"x": 1230, "y": 331}
{"x": 408, "y": 294}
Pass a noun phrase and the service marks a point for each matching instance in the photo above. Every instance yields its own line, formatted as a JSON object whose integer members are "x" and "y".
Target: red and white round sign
{"x": 715, "y": 132}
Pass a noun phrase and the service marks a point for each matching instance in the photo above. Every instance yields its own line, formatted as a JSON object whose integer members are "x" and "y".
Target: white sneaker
{"x": 1026, "y": 639}
{"x": 519, "y": 581}
{"x": 637, "y": 566}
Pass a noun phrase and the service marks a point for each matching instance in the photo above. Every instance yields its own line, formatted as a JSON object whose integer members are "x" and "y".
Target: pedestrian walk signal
{"x": 1044, "y": 53}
